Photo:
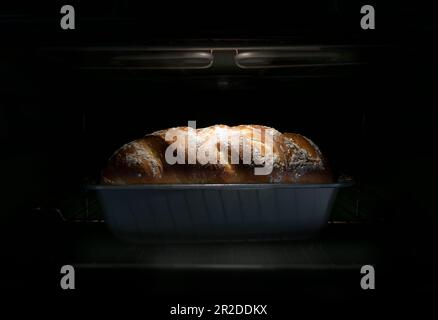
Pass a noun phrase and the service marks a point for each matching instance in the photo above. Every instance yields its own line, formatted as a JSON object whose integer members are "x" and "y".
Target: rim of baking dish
{"x": 222, "y": 186}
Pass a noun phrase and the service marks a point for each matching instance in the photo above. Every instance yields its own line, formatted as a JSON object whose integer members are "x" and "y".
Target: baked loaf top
{"x": 289, "y": 157}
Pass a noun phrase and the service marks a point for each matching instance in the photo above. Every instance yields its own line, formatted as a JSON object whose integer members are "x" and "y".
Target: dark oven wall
{"x": 87, "y": 115}
{"x": 70, "y": 120}
{"x": 61, "y": 118}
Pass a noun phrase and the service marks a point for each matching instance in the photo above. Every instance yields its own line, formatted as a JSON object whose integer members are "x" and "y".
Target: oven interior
{"x": 70, "y": 101}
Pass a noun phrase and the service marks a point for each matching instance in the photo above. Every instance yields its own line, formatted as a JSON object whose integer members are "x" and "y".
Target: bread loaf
{"x": 292, "y": 157}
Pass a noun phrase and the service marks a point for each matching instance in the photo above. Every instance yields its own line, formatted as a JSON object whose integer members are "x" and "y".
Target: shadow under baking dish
{"x": 143, "y": 213}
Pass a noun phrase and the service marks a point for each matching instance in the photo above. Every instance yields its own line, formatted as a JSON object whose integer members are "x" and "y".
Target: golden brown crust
{"x": 296, "y": 159}
{"x": 305, "y": 161}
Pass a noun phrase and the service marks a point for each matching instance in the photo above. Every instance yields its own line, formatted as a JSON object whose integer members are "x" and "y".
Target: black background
{"x": 58, "y": 126}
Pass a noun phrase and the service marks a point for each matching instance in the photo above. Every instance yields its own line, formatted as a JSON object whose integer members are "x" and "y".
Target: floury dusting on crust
{"x": 140, "y": 155}
{"x": 217, "y": 144}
